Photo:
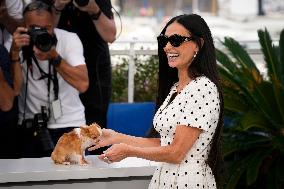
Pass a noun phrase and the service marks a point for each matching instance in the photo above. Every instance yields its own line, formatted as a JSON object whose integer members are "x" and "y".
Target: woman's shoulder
{"x": 204, "y": 82}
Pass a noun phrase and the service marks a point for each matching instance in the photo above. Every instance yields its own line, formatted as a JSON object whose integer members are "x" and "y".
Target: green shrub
{"x": 145, "y": 79}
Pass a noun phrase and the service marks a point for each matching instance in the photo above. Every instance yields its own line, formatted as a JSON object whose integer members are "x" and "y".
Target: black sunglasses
{"x": 175, "y": 40}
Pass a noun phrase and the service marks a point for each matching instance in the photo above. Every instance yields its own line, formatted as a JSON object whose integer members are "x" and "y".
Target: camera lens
{"x": 45, "y": 139}
{"x": 41, "y": 38}
{"x": 82, "y": 3}
{"x": 40, "y": 125}
{"x": 43, "y": 42}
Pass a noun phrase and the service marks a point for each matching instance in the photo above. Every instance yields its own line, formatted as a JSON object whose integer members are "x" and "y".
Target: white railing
{"x": 132, "y": 49}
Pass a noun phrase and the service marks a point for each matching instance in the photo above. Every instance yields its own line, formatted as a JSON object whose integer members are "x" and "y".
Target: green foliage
{"x": 119, "y": 81}
{"x": 254, "y": 141}
{"x": 145, "y": 79}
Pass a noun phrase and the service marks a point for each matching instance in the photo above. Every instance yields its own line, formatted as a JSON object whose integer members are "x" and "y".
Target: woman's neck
{"x": 183, "y": 80}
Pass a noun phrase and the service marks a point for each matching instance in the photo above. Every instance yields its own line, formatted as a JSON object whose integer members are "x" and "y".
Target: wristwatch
{"x": 96, "y": 16}
{"x": 56, "y": 61}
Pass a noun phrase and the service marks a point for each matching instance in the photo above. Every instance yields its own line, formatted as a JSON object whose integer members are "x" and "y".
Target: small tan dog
{"x": 70, "y": 148}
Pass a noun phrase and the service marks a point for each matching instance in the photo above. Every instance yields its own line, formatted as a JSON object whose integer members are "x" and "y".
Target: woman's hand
{"x": 107, "y": 138}
{"x": 115, "y": 153}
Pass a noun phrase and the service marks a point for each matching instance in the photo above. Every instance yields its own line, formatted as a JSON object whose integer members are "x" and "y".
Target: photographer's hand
{"x": 20, "y": 39}
{"x": 60, "y": 4}
{"x": 92, "y": 7}
{"x": 104, "y": 25}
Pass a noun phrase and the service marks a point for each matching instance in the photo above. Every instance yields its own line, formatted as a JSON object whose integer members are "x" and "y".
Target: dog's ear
{"x": 85, "y": 131}
{"x": 94, "y": 129}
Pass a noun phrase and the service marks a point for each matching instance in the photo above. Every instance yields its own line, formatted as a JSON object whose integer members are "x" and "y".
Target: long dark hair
{"x": 204, "y": 64}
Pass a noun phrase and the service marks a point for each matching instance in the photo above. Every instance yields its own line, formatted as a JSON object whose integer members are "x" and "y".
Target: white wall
{"x": 243, "y": 8}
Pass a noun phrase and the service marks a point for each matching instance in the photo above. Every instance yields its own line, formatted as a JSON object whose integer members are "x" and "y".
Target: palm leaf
{"x": 247, "y": 142}
{"x": 249, "y": 81}
{"x": 254, "y": 164}
{"x": 281, "y": 50}
{"x": 264, "y": 94}
{"x": 269, "y": 54}
{"x": 240, "y": 77}
{"x": 279, "y": 167}
{"x": 237, "y": 81}
{"x": 254, "y": 120}
{"x": 226, "y": 61}
{"x": 236, "y": 171}
{"x": 234, "y": 99}
{"x": 278, "y": 143}
{"x": 272, "y": 178}
{"x": 274, "y": 67}
{"x": 234, "y": 104}
{"x": 279, "y": 98}
{"x": 253, "y": 141}
{"x": 249, "y": 72}
{"x": 239, "y": 53}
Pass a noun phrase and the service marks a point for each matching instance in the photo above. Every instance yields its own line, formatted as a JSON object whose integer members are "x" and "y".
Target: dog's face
{"x": 70, "y": 148}
{"x": 93, "y": 131}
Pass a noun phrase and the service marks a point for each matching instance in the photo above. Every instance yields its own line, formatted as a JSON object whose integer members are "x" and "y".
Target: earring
{"x": 195, "y": 54}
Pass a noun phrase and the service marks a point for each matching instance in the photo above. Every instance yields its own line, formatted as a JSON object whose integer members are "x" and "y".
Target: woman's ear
{"x": 201, "y": 42}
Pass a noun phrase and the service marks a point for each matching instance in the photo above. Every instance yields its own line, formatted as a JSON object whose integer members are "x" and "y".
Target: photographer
{"x": 54, "y": 73}
{"x": 10, "y": 18}
{"x": 10, "y": 80}
{"x": 10, "y": 77}
{"x": 94, "y": 23}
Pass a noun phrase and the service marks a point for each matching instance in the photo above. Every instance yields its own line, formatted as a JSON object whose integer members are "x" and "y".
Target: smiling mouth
{"x": 172, "y": 56}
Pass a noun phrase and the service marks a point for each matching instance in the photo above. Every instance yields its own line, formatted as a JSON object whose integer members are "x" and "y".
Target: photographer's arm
{"x": 106, "y": 28}
{"x": 6, "y": 94}
{"x": 104, "y": 25}
{"x": 77, "y": 76}
{"x": 10, "y": 23}
{"x": 58, "y": 6}
{"x": 16, "y": 71}
{"x": 20, "y": 39}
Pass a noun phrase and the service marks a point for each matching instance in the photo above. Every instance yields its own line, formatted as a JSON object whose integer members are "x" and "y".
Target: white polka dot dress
{"x": 197, "y": 105}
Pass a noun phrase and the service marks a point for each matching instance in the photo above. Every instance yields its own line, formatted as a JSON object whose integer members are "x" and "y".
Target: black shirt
{"x": 79, "y": 22}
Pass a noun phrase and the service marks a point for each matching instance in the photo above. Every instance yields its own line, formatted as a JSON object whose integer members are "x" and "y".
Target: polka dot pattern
{"x": 197, "y": 105}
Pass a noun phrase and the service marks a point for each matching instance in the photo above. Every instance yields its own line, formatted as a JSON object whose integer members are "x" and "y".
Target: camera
{"x": 82, "y": 3}
{"x": 41, "y": 131}
{"x": 41, "y": 38}
{"x": 38, "y": 127}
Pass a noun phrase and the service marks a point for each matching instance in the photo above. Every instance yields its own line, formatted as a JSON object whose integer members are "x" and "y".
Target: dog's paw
{"x": 84, "y": 162}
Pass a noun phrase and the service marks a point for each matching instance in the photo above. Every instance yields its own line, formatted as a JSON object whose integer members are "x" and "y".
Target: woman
{"x": 190, "y": 115}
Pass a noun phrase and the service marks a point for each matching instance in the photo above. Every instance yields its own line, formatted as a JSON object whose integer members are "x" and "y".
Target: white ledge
{"x": 43, "y": 169}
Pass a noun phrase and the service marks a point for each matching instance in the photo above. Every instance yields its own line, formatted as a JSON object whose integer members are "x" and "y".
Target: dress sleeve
{"x": 201, "y": 105}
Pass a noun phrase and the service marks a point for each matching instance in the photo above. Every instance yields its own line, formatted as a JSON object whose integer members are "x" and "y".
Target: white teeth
{"x": 172, "y": 55}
